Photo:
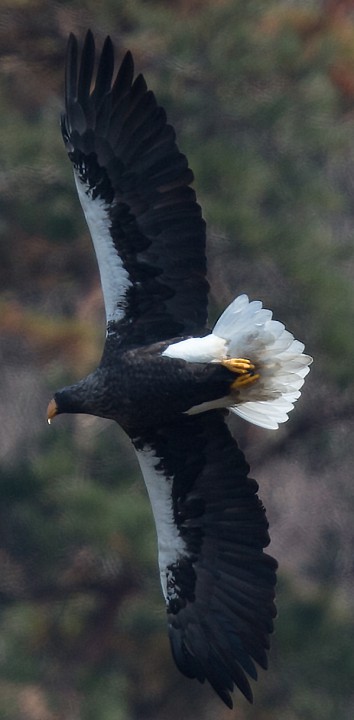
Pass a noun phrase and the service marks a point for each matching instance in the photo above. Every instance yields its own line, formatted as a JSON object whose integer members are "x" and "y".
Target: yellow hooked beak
{"x": 52, "y": 411}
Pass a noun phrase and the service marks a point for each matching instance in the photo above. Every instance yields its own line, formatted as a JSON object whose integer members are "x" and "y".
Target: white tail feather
{"x": 280, "y": 361}
{"x": 247, "y": 330}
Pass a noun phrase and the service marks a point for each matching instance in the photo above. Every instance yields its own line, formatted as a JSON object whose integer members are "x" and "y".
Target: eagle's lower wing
{"x": 134, "y": 187}
{"x": 212, "y": 528}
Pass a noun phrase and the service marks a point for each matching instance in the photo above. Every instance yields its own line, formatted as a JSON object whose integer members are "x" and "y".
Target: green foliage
{"x": 75, "y": 545}
{"x": 315, "y": 654}
{"x": 272, "y": 134}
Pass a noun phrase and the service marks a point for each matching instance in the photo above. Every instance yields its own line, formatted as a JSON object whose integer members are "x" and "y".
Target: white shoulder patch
{"x": 198, "y": 349}
{"x": 159, "y": 486}
{"x": 115, "y": 279}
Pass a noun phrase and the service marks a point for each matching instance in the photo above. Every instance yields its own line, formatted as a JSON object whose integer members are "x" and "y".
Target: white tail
{"x": 279, "y": 359}
{"x": 246, "y": 330}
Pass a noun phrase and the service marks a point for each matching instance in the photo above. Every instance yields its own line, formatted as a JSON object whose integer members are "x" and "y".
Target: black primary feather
{"x": 124, "y": 152}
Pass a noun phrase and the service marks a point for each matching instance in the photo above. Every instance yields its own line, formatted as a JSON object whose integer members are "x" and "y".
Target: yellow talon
{"x": 246, "y": 379}
{"x": 244, "y": 369}
{"x": 241, "y": 366}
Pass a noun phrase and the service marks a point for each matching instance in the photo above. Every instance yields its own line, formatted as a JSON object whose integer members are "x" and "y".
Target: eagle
{"x": 168, "y": 380}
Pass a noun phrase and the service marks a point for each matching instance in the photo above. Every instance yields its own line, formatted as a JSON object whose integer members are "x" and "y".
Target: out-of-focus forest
{"x": 262, "y": 97}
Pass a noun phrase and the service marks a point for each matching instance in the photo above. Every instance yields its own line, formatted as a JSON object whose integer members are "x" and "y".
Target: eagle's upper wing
{"x": 134, "y": 187}
{"x": 212, "y": 528}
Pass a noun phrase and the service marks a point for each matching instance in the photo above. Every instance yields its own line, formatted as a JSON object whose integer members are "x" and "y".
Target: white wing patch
{"x": 159, "y": 486}
{"x": 115, "y": 279}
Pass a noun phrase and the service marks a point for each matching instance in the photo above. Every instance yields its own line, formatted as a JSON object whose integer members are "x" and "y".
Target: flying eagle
{"x": 168, "y": 380}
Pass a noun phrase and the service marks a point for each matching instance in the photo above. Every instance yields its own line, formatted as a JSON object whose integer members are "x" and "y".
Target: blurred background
{"x": 262, "y": 98}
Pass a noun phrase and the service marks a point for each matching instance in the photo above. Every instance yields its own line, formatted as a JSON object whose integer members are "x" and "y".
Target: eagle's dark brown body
{"x": 141, "y": 389}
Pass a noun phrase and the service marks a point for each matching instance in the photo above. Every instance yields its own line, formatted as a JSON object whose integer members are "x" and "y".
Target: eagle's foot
{"x": 244, "y": 380}
{"x": 244, "y": 369}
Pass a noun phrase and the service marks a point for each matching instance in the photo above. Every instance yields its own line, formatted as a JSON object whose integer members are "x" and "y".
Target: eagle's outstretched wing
{"x": 134, "y": 187}
{"x": 211, "y": 528}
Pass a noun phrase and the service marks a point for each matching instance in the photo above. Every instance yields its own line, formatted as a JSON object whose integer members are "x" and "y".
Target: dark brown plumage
{"x": 149, "y": 237}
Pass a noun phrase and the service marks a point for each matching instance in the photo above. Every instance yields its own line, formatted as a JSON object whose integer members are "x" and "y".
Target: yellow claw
{"x": 246, "y": 379}
{"x": 244, "y": 369}
{"x": 238, "y": 365}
